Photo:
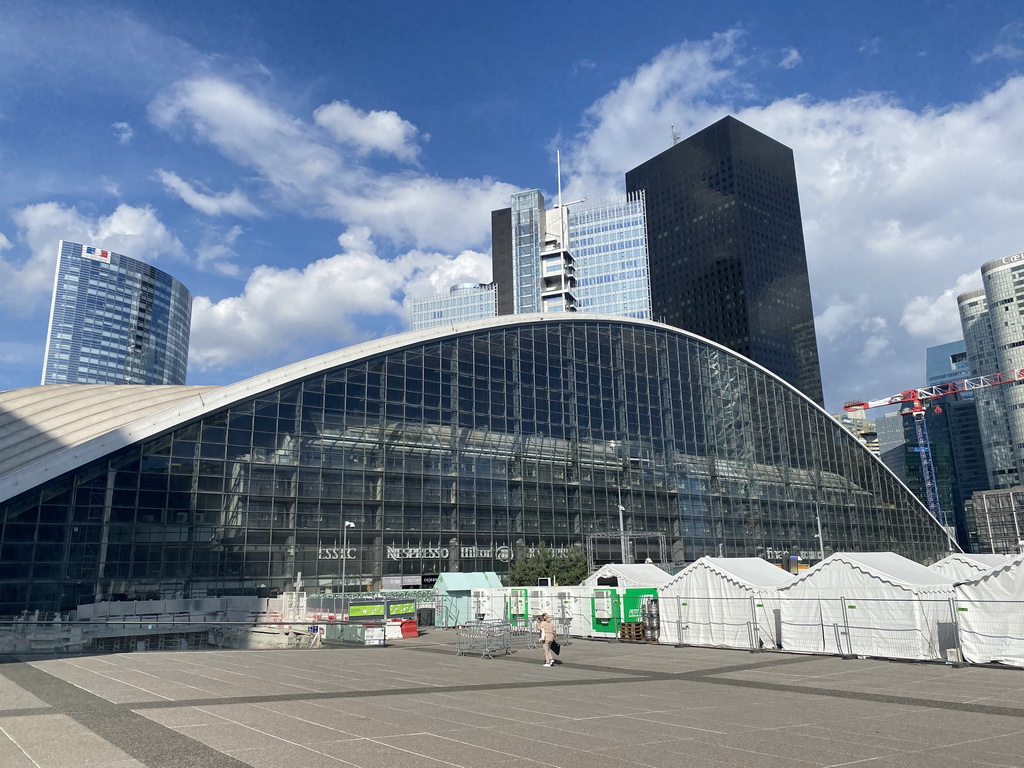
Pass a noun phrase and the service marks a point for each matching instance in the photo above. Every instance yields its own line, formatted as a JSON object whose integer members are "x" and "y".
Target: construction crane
{"x": 915, "y": 403}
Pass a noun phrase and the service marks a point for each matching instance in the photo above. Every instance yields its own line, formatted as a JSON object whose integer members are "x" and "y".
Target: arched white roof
{"x": 35, "y": 422}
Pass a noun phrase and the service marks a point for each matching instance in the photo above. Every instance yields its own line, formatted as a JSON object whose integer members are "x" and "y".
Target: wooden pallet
{"x": 633, "y": 631}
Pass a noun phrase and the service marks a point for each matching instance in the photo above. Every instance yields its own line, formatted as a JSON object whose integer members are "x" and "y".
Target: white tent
{"x": 991, "y": 617}
{"x": 869, "y": 604}
{"x": 963, "y": 567}
{"x": 628, "y": 575}
{"x": 726, "y": 602}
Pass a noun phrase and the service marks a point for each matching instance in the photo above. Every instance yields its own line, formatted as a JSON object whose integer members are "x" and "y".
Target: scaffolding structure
{"x": 628, "y": 537}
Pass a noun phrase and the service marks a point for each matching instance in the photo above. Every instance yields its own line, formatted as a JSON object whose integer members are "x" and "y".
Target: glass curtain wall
{"x": 463, "y": 453}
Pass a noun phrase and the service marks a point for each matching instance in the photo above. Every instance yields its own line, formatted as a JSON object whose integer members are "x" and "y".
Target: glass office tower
{"x": 608, "y": 240}
{"x": 453, "y": 449}
{"x": 115, "y": 320}
{"x": 465, "y": 301}
{"x": 948, "y": 362}
{"x": 726, "y": 247}
{"x": 582, "y": 257}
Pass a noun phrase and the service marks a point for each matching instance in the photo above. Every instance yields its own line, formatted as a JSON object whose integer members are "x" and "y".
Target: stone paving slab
{"x": 56, "y": 741}
{"x": 416, "y": 703}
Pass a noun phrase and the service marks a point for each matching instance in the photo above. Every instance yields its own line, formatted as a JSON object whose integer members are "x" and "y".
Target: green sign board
{"x": 376, "y": 609}
{"x": 398, "y": 609}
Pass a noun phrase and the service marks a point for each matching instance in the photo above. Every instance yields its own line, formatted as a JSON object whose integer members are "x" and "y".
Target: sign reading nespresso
{"x": 502, "y": 553}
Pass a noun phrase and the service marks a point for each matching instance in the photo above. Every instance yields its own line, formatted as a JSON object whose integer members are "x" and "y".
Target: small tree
{"x": 538, "y": 564}
{"x": 571, "y": 567}
{"x": 567, "y": 568}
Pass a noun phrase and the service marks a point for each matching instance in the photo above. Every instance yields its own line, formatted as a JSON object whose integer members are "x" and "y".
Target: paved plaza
{"x": 415, "y": 703}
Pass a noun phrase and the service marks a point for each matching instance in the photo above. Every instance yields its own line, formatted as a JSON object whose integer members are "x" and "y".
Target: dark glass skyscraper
{"x": 115, "y": 320}
{"x": 726, "y": 247}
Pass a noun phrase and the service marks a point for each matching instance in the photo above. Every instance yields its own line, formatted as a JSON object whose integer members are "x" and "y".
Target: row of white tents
{"x": 968, "y": 607}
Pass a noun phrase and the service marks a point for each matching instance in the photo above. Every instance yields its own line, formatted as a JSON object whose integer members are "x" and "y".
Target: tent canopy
{"x": 725, "y": 602}
{"x": 868, "y": 604}
{"x": 629, "y": 575}
{"x": 464, "y": 582}
{"x": 745, "y": 572}
{"x": 962, "y": 567}
{"x": 883, "y": 568}
{"x": 1004, "y": 582}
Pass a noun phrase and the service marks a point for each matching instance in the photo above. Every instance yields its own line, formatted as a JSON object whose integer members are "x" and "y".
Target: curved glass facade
{"x": 463, "y": 452}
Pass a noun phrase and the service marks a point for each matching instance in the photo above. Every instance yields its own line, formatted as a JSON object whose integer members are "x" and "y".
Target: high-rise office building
{"x": 945, "y": 363}
{"x": 958, "y": 423}
{"x": 994, "y": 336}
{"x": 609, "y": 243}
{"x": 465, "y": 301}
{"x": 708, "y": 239}
{"x": 581, "y": 257}
{"x": 860, "y": 426}
{"x": 115, "y": 320}
{"x": 726, "y": 247}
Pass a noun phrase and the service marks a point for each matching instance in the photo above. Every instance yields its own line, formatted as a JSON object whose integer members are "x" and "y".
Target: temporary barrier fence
{"x": 949, "y": 629}
{"x": 484, "y": 637}
{"x": 523, "y": 635}
{"x": 990, "y": 631}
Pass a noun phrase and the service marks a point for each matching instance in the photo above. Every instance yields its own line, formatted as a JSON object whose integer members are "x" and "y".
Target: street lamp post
{"x": 622, "y": 530}
{"x": 821, "y": 540}
{"x": 344, "y": 561}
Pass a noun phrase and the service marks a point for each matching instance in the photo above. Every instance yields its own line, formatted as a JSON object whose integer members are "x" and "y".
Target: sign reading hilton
{"x": 436, "y": 553}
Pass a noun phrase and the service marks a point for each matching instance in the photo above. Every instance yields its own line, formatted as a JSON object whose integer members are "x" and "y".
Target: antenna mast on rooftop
{"x": 561, "y": 211}
{"x": 676, "y": 138}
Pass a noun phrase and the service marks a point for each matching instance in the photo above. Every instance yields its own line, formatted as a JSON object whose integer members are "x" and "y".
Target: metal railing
{"x": 487, "y": 638}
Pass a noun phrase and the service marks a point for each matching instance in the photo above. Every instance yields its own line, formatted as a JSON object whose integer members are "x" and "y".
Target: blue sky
{"x": 305, "y": 167}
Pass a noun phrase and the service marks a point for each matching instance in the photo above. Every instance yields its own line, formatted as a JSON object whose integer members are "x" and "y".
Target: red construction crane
{"x": 915, "y": 402}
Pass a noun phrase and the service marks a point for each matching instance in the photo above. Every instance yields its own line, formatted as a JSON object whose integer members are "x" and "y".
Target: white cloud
{"x": 216, "y": 253}
{"x": 234, "y": 203}
{"x": 5, "y": 244}
{"x": 315, "y": 178}
{"x": 282, "y": 311}
{"x": 135, "y": 232}
{"x": 873, "y": 349}
{"x": 436, "y": 273}
{"x": 846, "y": 316}
{"x": 897, "y": 205}
{"x": 250, "y": 132}
{"x": 123, "y": 131}
{"x": 791, "y": 58}
{"x": 374, "y": 131}
{"x": 1009, "y": 44}
{"x": 424, "y": 210}
{"x": 584, "y": 65}
{"x": 871, "y": 47}
{"x": 633, "y": 121}
{"x": 934, "y": 318}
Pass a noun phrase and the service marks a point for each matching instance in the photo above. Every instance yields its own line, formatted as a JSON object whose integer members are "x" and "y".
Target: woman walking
{"x": 547, "y": 636}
